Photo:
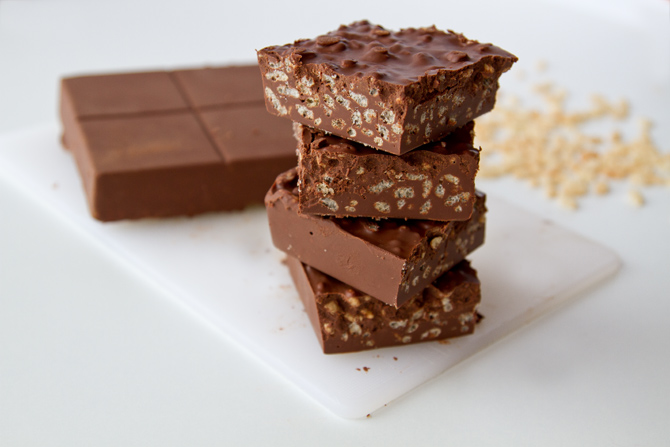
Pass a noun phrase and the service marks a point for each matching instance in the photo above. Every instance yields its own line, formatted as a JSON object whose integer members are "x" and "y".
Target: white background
{"x": 91, "y": 354}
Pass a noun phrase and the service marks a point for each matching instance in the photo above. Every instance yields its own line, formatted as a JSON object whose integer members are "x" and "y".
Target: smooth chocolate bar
{"x": 389, "y": 259}
{"x": 184, "y": 142}
{"x": 393, "y": 91}
{"x": 347, "y": 320}
{"x": 342, "y": 178}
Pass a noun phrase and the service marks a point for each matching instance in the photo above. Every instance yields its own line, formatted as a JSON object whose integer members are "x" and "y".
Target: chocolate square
{"x": 209, "y": 87}
{"x": 127, "y": 93}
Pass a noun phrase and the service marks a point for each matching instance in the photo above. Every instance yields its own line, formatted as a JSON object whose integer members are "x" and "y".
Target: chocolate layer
{"x": 391, "y": 259}
{"x": 163, "y": 144}
{"x": 347, "y": 320}
{"x": 393, "y": 91}
{"x": 342, "y": 178}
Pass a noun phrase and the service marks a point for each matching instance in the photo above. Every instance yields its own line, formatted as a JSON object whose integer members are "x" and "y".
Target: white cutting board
{"x": 224, "y": 268}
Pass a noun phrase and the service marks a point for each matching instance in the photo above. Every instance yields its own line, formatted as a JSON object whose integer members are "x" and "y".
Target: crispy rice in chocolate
{"x": 347, "y": 320}
{"x": 392, "y": 90}
{"x": 342, "y": 178}
{"x": 389, "y": 259}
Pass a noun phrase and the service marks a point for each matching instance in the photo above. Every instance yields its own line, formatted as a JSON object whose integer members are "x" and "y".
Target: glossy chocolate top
{"x": 398, "y": 57}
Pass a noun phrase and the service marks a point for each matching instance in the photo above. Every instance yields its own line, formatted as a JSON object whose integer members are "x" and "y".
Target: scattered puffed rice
{"x": 635, "y": 198}
{"x": 549, "y": 148}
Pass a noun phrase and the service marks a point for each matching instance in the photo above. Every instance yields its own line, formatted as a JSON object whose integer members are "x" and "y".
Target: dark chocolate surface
{"x": 393, "y": 91}
{"x": 342, "y": 178}
{"x": 173, "y": 143}
{"x": 390, "y": 259}
{"x": 348, "y": 320}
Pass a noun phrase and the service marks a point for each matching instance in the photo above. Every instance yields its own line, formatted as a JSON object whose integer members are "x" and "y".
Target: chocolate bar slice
{"x": 345, "y": 179}
{"x": 390, "y": 259}
{"x": 347, "y": 320}
{"x": 160, "y": 144}
{"x": 393, "y": 91}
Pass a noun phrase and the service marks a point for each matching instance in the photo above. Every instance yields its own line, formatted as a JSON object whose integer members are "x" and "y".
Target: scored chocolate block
{"x": 161, "y": 144}
{"x": 341, "y": 178}
{"x": 390, "y": 259}
{"x": 347, "y": 320}
{"x": 393, "y": 91}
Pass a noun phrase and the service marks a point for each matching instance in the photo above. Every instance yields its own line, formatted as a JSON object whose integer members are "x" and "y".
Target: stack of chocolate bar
{"x": 382, "y": 210}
